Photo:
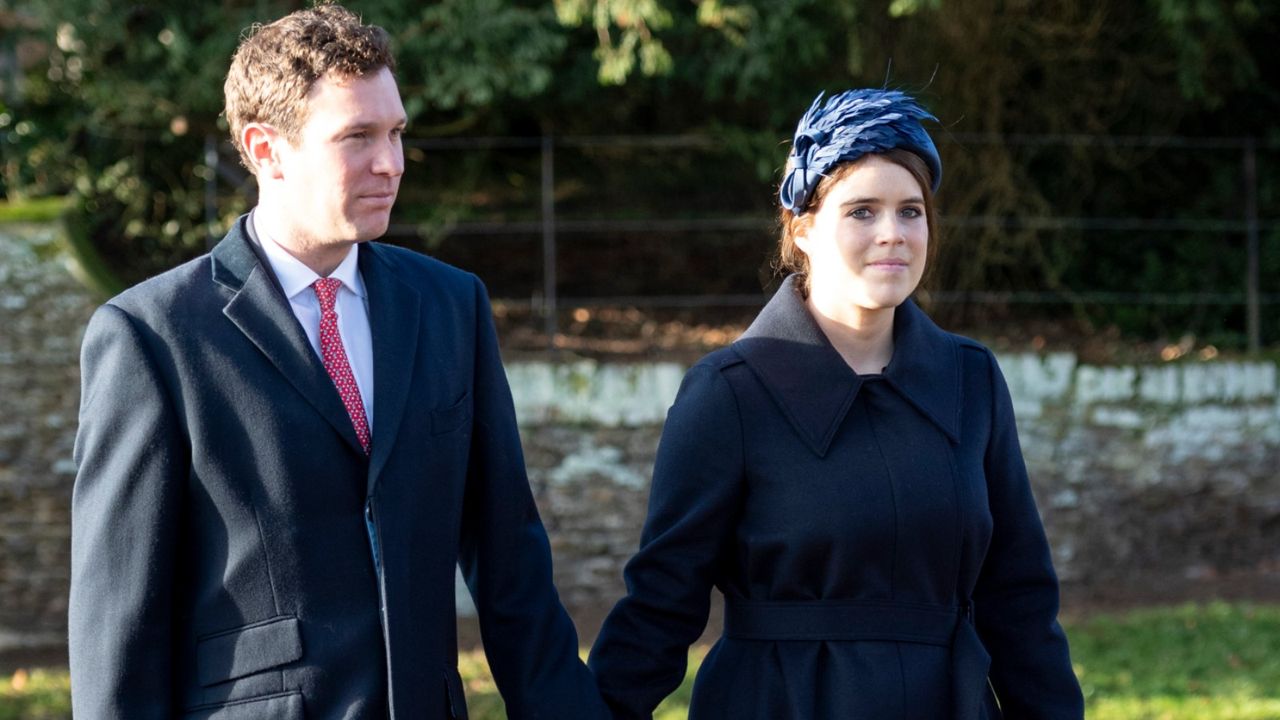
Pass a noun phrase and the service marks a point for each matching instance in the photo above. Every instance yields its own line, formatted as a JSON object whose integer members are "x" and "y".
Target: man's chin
{"x": 371, "y": 229}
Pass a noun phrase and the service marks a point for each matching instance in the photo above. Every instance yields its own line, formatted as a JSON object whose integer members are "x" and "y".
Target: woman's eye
{"x": 860, "y": 213}
{"x": 911, "y": 212}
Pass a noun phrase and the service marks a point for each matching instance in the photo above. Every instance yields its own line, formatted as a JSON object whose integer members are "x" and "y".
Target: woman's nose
{"x": 890, "y": 231}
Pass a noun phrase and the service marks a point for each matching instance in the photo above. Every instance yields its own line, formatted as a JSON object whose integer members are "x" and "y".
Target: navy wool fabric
{"x": 235, "y": 554}
{"x": 875, "y": 538}
{"x": 848, "y": 126}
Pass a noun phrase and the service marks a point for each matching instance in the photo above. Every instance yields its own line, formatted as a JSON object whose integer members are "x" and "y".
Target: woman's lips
{"x": 889, "y": 265}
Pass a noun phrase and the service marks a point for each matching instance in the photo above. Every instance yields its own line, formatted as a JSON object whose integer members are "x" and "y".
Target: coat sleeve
{"x": 529, "y": 640}
{"x": 1016, "y": 597}
{"x": 124, "y": 523}
{"x": 694, "y": 503}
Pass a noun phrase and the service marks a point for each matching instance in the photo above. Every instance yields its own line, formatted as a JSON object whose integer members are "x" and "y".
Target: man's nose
{"x": 389, "y": 159}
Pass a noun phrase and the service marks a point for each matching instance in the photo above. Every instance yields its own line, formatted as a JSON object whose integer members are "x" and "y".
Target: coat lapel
{"x": 925, "y": 368}
{"x": 260, "y": 310}
{"x": 814, "y": 387}
{"x": 807, "y": 378}
{"x": 394, "y": 309}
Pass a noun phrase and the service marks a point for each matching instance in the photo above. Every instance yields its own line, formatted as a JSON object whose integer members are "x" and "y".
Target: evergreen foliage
{"x": 112, "y": 101}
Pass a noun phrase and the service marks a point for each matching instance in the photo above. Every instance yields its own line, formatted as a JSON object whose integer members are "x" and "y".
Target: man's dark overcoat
{"x": 875, "y": 538}
{"x": 232, "y": 544}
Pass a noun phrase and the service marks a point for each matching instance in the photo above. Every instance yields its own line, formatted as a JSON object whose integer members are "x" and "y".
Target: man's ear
{"x": 263, "y": 145}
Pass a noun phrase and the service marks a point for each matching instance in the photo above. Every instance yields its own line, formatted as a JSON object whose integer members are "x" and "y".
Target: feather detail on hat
{"x": 850, "y": 125}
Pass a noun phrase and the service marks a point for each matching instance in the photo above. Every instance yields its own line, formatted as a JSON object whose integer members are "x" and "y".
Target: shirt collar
{"x": 815, "y": 388}
{"x": 295, "y": 277}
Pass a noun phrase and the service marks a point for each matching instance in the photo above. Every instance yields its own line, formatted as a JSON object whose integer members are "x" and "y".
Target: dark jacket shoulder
{"x": 412, "y": 265}
{"x": 719, "y": 360}
{"x": 170, "y": 291}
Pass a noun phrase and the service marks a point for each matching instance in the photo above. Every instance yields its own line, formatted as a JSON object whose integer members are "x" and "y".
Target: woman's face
{"x": 867, "y": 242}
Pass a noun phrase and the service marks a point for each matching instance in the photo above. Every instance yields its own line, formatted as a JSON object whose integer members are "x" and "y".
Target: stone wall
{"x": 1143, "y": 473}
{"x": 1153, "y": 471}
{"x": 42, "y": 312}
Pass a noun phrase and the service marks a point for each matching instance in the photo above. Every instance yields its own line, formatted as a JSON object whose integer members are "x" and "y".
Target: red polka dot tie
{"x": 335, "y": 358}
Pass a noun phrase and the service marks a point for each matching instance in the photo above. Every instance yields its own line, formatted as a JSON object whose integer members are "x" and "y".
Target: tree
{"x": 132, "y": 92}
{"x": 119, "y": 110}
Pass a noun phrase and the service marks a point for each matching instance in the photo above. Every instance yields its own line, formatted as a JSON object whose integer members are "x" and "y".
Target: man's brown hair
{"x": 276, "y": 65}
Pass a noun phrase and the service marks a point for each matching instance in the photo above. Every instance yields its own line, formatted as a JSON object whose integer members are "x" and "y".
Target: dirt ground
{"x": 685, "y": 334}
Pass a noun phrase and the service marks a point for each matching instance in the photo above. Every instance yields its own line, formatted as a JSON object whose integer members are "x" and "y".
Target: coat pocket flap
{"x": 246, "y": 650}
{"x": 447, "y": 419}
{"x": 286, "y": 706}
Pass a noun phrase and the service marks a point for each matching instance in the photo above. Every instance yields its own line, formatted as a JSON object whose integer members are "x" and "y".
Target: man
{"x": 286, "y": 445}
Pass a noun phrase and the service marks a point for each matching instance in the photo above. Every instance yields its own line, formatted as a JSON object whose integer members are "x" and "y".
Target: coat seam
{"x": 266, "y": 560}
{"x": 893, "y": 499}
{"x": 959, "y": 490}
{"x": 173, "y": 396}
{"x": 742, "y": 437}
{"x": 902, "y": 676}
{"x": 742, "y": 448}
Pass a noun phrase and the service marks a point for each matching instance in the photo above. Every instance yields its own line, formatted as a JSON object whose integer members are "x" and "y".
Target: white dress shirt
{"x": 352, "y": 307}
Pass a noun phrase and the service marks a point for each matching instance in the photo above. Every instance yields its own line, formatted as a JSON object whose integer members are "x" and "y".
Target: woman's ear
{"x": 801, "y": 238}
{"x": 802, "y": 244}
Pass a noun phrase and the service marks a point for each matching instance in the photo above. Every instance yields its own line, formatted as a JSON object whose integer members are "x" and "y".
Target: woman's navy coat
{"x": 875, "y": 538}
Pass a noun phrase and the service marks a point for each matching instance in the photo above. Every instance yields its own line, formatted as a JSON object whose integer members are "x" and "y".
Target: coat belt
{"x": 841, "y": 620}
{"x": 943, "y": 625}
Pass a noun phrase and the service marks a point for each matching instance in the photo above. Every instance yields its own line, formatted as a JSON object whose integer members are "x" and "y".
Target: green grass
{"x": 33, "y": 210}
{"x": 1209, "y": 662}
{"x": 1193, "y": 662}
{"x": 35, "y": 695}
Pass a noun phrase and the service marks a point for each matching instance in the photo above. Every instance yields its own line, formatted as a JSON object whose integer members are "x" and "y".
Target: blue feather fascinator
{"x": 850, "y": 125}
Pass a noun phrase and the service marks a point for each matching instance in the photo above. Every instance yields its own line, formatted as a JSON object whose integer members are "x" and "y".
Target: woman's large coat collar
{"x": 814, "y": 387}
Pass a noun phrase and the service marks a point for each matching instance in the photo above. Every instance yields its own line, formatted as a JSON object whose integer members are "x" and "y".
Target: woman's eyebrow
{"x": 913, "y": 200}
{"x": 861, "y": 201}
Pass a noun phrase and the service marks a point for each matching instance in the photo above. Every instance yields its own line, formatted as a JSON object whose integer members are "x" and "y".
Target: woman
{"x": 849, "y": 476}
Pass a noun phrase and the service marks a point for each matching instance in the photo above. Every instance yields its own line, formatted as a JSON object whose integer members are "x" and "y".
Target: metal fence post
{"x": 1254, "y": 321}
{"x": 549, "y": 239}
{"x": 210, "y": 189}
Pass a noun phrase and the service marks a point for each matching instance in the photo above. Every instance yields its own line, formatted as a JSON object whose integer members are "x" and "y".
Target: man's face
{"x": 339, "y": 180}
